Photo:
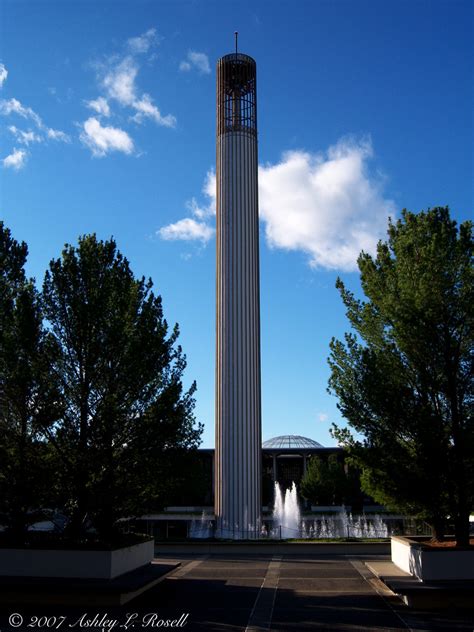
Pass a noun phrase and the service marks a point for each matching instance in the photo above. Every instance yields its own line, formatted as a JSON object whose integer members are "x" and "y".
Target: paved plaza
{"x": 288, "y": 594}
{"x": 253, "y": 594}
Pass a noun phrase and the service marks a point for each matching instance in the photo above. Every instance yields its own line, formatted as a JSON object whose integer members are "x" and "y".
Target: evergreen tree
{"x": 404, "y": 378}
{"x": 325, "y": 481}
{"x": 127, "y": 419}
{"x": 28, "y": 398}
{"x": 314, "y": 485}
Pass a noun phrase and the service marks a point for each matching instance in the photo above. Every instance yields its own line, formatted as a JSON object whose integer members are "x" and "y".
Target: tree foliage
{"x": 404, "y": 377}
{"x": 94, "y": 417}
{"x": 28, "y": 397}
{"x": 119, "y": 370}
{"x": 330, "y": 482}
{"x": 321, "y": 483}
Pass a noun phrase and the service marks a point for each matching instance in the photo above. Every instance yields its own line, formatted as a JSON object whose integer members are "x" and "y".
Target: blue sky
{"x": 107, "y": 114}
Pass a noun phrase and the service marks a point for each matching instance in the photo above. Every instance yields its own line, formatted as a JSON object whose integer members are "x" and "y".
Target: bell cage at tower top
{"x": 236, "y": 94}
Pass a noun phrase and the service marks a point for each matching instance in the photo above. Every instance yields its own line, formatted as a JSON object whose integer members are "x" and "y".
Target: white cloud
{"x": 3, "y": 75}
{"x": 147, "y": 109}
{"x": 16, "y": 160}
{"x": 119, "y": 82}
{"x": 199, "y": 61}
{"x": 209, "y": 190}
{"x": 99, "y": 105}
{"x": 323, "y": 417}
{"x": 102, "y": 140}
{"x": 187, "y": 229}
{"x": 143, "y": 42}
{"x": 328, "y": 206}
{"x": 25, "y": 138}
{"x": 56, "y": 134}
{"x": 13, "y": 106}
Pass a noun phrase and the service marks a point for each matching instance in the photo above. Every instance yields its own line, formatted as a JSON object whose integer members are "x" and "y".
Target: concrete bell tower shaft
{"x": 238, "y": 400}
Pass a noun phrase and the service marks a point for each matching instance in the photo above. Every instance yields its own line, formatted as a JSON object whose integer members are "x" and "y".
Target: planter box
{"x": 428, "y": 564}
{"x": 75, "y": 563}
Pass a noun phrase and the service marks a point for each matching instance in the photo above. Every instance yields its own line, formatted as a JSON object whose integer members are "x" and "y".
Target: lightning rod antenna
{"x": 236, "y": 33}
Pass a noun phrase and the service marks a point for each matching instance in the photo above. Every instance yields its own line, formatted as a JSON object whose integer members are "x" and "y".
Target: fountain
{"x": 286, "y": 514}
{"x": 287, "y": 522}
{"x": 201, "y": 528}
{"x": 344, "y": 525}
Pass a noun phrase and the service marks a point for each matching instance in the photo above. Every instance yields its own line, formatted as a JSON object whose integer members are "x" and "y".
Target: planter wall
{"x": 431, "y": 565}
{"x": 72, "y": 563}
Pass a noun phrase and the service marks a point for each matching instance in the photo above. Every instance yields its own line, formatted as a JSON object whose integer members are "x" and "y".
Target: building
{"x": 283, "y": 459}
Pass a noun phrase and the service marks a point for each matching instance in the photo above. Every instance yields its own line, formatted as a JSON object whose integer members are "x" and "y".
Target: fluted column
{"x": 238, "y": 401}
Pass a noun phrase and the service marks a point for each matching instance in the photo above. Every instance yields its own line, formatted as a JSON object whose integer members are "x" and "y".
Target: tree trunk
{"x": 438, "y": 529}
{"x": 461, "y": 530}
{"x": 462, "y": 509}
{"x": 19, "y": 521}
{"x": 81, "y": 471}
{"x": 76, "y": 527}
{"x": 19, "y": 527}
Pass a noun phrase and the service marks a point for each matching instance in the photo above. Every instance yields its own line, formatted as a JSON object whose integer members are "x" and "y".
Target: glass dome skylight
{"x": 291, "y": 442}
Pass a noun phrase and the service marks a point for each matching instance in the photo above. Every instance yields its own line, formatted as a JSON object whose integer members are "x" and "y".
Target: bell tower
{"x": 238, "y": 399}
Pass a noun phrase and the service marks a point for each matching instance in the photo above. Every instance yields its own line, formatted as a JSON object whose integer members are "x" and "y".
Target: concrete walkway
{"x": 426, "y": 595}
{"x": 278, "y": 593}
{"x": 289, "y": 594}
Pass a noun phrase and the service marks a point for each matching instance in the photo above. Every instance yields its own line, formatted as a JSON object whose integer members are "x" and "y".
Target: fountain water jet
{"x": 201, "y": 528}
{"x": 287, "y": 523}
{"x": 286, "y": 514}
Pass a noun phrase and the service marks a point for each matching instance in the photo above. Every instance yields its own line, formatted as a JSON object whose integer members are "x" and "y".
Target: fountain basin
{"x": 287, "y": 523}
{"x": 273, "y": 547}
